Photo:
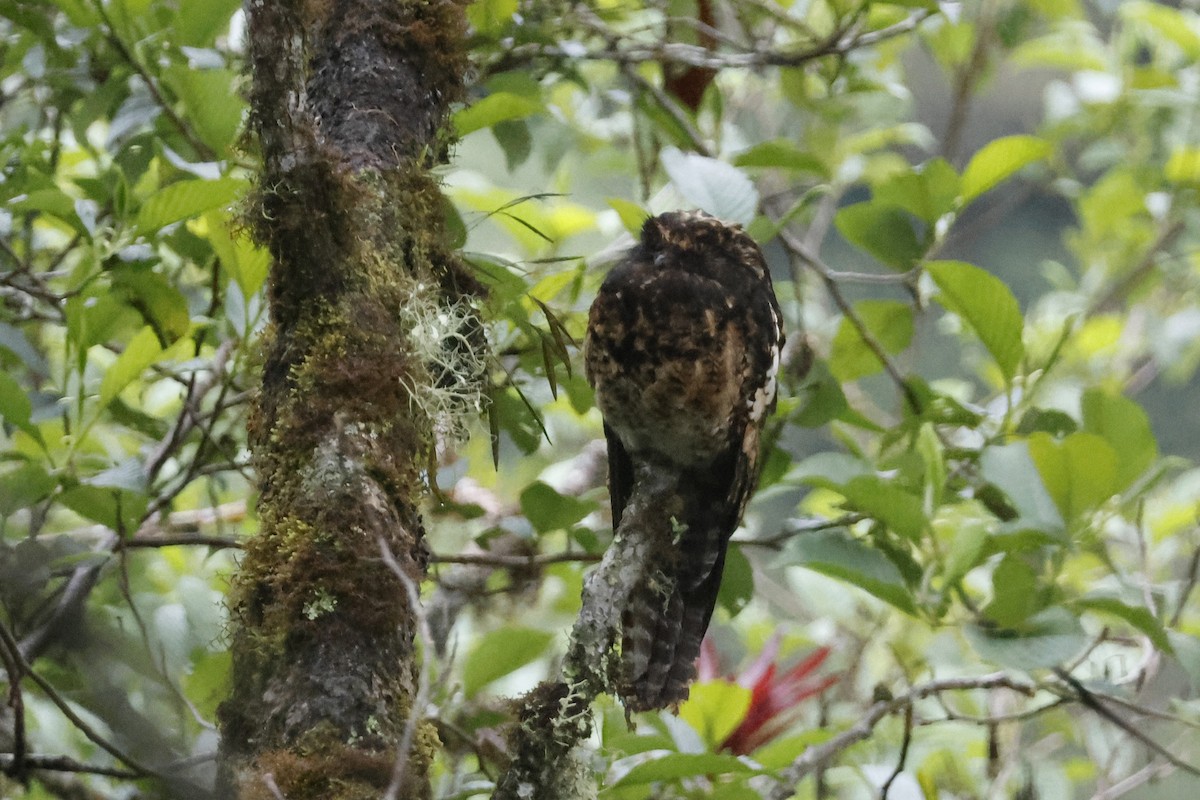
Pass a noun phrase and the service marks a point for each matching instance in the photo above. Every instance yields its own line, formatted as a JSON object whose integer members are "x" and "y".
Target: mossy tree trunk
{"x": 349, "y": 104}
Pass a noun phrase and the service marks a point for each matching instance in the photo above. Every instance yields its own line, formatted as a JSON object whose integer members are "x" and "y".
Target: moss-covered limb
{"x": 555, "y": 717}
{"x": 349, "y": 103}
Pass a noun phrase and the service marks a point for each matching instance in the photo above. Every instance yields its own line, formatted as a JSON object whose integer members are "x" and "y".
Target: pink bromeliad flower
{"x": 774, "y": 698}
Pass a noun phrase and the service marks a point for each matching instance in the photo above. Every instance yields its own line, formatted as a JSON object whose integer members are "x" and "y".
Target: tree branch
{"x": 817, "y": 757}
{"x": 65, "y": 764}
{"x": 554, "y": 718}
{"x": 1092, "y": 701}
{"x": 800, "y": 249}
{"x": 841, "y": 42}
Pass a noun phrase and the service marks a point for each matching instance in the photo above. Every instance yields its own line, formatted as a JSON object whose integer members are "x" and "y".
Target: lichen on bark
{"x": 349, "y": 105}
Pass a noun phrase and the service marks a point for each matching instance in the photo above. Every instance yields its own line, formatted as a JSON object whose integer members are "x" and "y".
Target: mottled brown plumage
{"x": 683, "y": 349}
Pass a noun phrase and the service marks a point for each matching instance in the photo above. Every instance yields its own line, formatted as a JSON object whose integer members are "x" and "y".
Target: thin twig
{"x": 964, "y": 85}
{"x": 1093, "y": 701}
{"x": 667, "y": 104}
{"x": 908, "y": 729}
{"x": 1193, "y": 574}
{"x": 1150, "y": 772}
{"x": 14, "y": 649}
{"x": 114, "y": 38}
{"x": 16, "y": 701}
{"x": 954, "y": 715}
{"x": 506, "y": 560}
{"x": 800, "y": 248}
{"x": 420, "y": 702}
{"x": 839, "y": 43}
{"x": 1119, "y": 292}
{"x": 65, "y": 764}
{"x": 816, "y": 757}
{"x": 181, "y": 540}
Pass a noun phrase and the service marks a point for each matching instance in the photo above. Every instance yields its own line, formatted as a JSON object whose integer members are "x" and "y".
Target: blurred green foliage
{"x": 962, "y": 476}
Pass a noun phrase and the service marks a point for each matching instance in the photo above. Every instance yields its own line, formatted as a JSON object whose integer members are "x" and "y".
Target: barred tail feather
{"x": 664, "y": 623}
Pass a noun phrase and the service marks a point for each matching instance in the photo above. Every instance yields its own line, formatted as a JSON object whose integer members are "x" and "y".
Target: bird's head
{"x": 695, "y": 241}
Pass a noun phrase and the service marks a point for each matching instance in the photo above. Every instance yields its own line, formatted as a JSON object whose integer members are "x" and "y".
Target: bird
{"x": 682, "y": 350}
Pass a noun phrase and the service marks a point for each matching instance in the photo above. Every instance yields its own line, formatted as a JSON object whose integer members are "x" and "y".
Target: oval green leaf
{"x": 501, "y": 652}
{"x": 999, "y": 160}
{"x": 714, "y": 709}
{"x": 883, "y": 230}
{"x": 890, "y": 324}
{"x": 987, "y": 305}
{"x": 494, "y": 108}
{"x": 185, "y": 199}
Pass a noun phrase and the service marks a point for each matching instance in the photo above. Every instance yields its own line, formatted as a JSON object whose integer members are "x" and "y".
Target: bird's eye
{"x": 660, "y": 259}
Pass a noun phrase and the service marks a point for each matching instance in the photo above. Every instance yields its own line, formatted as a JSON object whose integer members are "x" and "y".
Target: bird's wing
{"x": 620, "y": 475}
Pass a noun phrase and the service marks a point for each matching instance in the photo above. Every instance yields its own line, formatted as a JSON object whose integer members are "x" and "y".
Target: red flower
{"x": 774, "y": 699}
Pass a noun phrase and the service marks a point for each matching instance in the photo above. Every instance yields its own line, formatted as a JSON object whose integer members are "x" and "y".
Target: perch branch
{"x": 554, "y": 717}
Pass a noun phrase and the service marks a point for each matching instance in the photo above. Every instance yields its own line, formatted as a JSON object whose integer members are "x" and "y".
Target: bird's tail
{"x": 666, "y": 617}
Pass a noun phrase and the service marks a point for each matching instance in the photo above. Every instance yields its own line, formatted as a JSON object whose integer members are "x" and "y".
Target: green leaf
{"x": 1074, "y": 50}
{"x": 142, "y": 351}
{"x": 199, "y": 22}
{"x": 1079, "y": 472}
{"x": 933, "y": 457}
{"x": 496, "y": 107}
{"x": 214, "y": 107}
{"x": 207, "y": 682}
{"x": 52, "y": 201}
{"x": 1169, "y": 24}
{"x": 840, "y": 556}
{"x": 1183, "y": 166}
{"x": 888, "y": 503}
{"x": 928, "y": 193}
{"x": 1125, "y": 426}
{"x": 500, "y": 652}
{"x": 966, "y": 551}
{"x": 456, "y": 228}
{"x": 1011, "y": 468}
{"x": 883, "y": 230}
{"x": 674, "y": 766}
{"x": 1187, "y": 650}
{"x": 160, "y": 303}
{"x": 115, "y": 509}
{"x": 1138, "y": 616}
{"x": 987, "y": 305}
{"x": 889, "y": 322}
{"x": 737, "y": 581}
{"x": 998, "y": 160}
{"x": 781, "y": 153}
{"x": 547, "y": 510}
{"x": 714, "y": 186}
{"x": 247, "y": 263}
{"x": 779, "y": 753}
{"x": 24, "y": 486}
{"x": 185, "y": 199}
{"x": 820, "y": 397}
{"x": 15, "y": 406}
{"x": 491, "y": 16}
{"x": 831, "y": 470}
{"x": 515, "y": 140}
{"x": 1046, "y": 640}
{"x": 714, "y": 709}
{"x": 1015, "y": 595}
{"x": 632, "y": 215}
{"x": 1047, "y": 420}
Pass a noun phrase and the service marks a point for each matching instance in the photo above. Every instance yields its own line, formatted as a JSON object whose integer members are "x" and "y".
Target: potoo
{"x": 682, "y": 348}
